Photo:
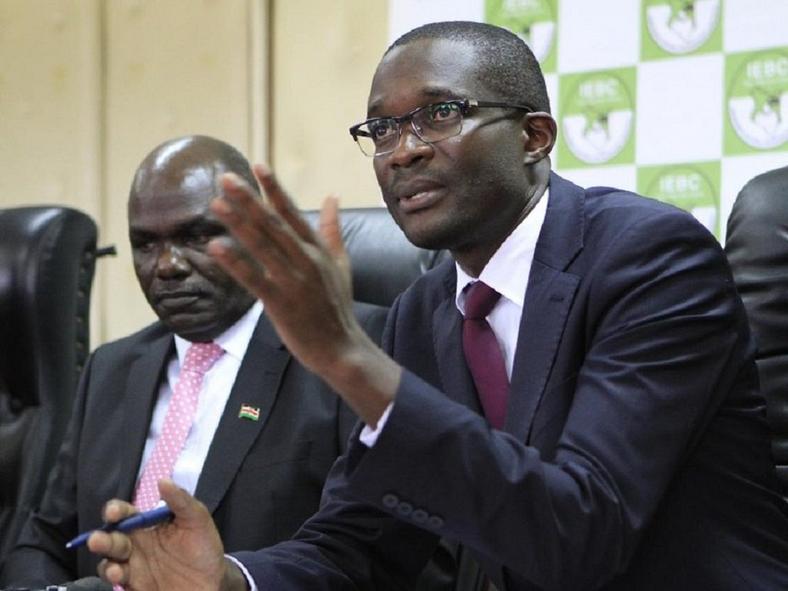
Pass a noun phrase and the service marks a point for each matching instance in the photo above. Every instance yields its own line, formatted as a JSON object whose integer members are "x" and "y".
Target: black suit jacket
{"x": 260, "y": 480}
{"x": 635, "y": 453}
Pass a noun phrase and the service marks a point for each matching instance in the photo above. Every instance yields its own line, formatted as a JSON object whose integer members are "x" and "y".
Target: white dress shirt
{"x": 214, "y": 392}
{"x": 507, "y": 273}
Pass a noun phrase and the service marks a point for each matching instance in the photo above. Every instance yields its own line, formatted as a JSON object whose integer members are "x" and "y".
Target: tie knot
{"x": 200, "y": 357}
{"x": 480, "y": 301}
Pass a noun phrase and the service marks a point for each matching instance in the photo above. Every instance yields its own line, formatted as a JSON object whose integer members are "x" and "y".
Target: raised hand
{"x": 303, "y": 279}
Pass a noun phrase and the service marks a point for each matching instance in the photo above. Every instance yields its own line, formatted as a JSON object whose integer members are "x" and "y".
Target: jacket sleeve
{"x": 347, "y": 545}
{"x": 373, "y": 320}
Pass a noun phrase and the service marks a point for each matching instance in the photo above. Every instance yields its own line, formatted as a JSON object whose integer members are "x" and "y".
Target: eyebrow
{"x": 433, "y": 93}
{"x": 440, "y": 92}
{"x": 191, "y": 226}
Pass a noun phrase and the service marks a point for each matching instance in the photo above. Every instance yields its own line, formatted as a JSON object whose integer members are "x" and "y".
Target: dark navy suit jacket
{"x": 635, "y": 453}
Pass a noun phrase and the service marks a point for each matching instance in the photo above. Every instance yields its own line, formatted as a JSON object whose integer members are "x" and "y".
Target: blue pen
{"x": 136, "y": 521}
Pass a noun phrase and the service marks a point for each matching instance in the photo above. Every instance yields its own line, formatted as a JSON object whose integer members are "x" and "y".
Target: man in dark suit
{"x": 265, "y": 432}
{"x": 627, "y": 447}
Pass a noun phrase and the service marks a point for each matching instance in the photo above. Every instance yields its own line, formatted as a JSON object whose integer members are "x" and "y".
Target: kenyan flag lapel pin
{"x": 249, "y": 412}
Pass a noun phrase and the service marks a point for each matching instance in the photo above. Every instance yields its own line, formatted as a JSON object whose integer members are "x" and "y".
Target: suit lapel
{"x": 548, "y": 299}
{"x": 141, "y": 393}
{"x": 545, "y": 311}
{"x": 257, "y": 385}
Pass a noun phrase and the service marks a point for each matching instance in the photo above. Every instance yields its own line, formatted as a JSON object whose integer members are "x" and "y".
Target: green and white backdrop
{"x": 680, "y": 100}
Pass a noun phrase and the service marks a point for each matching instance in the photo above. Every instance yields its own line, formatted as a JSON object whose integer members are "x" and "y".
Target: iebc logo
{"x": 681, "y": 26}
{"x": 692, "y": 187}
{"x": 757, "y": 100}
{"x": 534, "y": 21}
{"x": 597, "y": 116}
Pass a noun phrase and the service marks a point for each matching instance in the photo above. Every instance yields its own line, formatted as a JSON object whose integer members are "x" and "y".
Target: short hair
{"x": 506, "y": 63}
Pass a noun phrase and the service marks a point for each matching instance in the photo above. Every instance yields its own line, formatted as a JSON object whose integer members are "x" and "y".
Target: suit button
{"x": 390, "y": 501}
{"x": 435, "y": 522}
{"x": 419, "y": 516}
{"x": 404, "y": 509}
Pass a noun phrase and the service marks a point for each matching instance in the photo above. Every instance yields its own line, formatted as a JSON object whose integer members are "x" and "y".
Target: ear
{"x": 539, "y": 133}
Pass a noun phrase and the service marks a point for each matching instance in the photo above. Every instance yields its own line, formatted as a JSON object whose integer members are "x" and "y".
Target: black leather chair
{"x": 757, "y": 248}
{"x": 47, "y": 258}
{"x": 382, "y": 260}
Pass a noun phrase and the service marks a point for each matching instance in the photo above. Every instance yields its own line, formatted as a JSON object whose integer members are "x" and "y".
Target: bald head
{"x": 170, "y": 226}
{"x": 192, "y": 159}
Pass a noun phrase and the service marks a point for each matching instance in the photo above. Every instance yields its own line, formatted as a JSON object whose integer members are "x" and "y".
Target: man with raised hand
{"x": 573, "y": 399}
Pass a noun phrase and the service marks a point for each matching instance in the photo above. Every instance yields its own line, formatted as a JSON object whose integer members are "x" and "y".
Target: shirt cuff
{"x": 247, "y": 576}
{"x": 369, "y": 435}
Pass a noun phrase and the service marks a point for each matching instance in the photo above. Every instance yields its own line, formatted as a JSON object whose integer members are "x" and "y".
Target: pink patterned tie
{"x": 177, "y": 422}
{"x": 483, "y": 354}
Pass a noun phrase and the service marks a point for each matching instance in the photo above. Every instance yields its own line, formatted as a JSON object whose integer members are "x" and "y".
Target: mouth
{"x": 177, "y": 299}
{"x": 420, "y": 195}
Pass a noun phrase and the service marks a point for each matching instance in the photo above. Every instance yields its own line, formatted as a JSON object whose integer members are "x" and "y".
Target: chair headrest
{"x": 383, "y": 261}
{"x": 765, "y": 198}
{"x": 757, "y": 248}
{"x": 46, "y": 271}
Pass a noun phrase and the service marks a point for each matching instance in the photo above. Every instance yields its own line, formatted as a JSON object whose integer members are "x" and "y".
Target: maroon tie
{"x": 483, "y": 354}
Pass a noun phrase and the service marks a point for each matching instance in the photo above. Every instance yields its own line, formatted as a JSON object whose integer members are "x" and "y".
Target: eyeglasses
{"x": 431, "y": 123}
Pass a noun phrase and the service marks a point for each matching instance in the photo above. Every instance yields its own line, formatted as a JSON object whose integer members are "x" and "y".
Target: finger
{"x": 329, "y": 226}
{"x": 330, "y": 230}
{"x": 255, "y": 225}
{"x": 185, "y": 506}
{"x": 241, "y": 268}
{"x": 282, "y": 202}
{"x": 115, "y": 510}
{"x": 283, "y": 258}
{"x": 114, "y": 545}
{"x": 112, "y": 572}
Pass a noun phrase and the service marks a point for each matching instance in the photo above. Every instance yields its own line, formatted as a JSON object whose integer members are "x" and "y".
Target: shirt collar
{"x": 234, "y": 340}
{"x": 499, "y": 272}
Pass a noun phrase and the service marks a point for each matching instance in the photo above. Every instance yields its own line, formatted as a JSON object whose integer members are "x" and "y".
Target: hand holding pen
{"x": 136, "y": 521}
{"x": 185, "y": 555}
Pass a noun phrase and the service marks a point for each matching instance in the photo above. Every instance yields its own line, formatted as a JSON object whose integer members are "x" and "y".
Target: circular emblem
{"x": 598, "y": 118}
{"x": 532, "y": 20}
{"x": 682, "y": 26}
{"x": 758, "y": 100}
{"x": 689, "y": 188}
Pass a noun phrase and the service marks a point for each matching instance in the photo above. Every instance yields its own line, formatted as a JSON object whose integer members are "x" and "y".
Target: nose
{"x": 410, "y": 148}
{"x": 172, "y": 263}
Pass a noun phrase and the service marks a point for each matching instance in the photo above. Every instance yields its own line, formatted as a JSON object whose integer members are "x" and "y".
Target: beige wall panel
{"x": 172, "y": 68}
{"x": 49, "y": 100}
{"x": 324, "y": 55}
{"x": 50, "y": 107}
{"x": 87, "y": 87}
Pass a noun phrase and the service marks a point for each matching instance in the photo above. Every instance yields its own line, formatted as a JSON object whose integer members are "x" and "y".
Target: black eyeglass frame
{"x": 464, "y": 104}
